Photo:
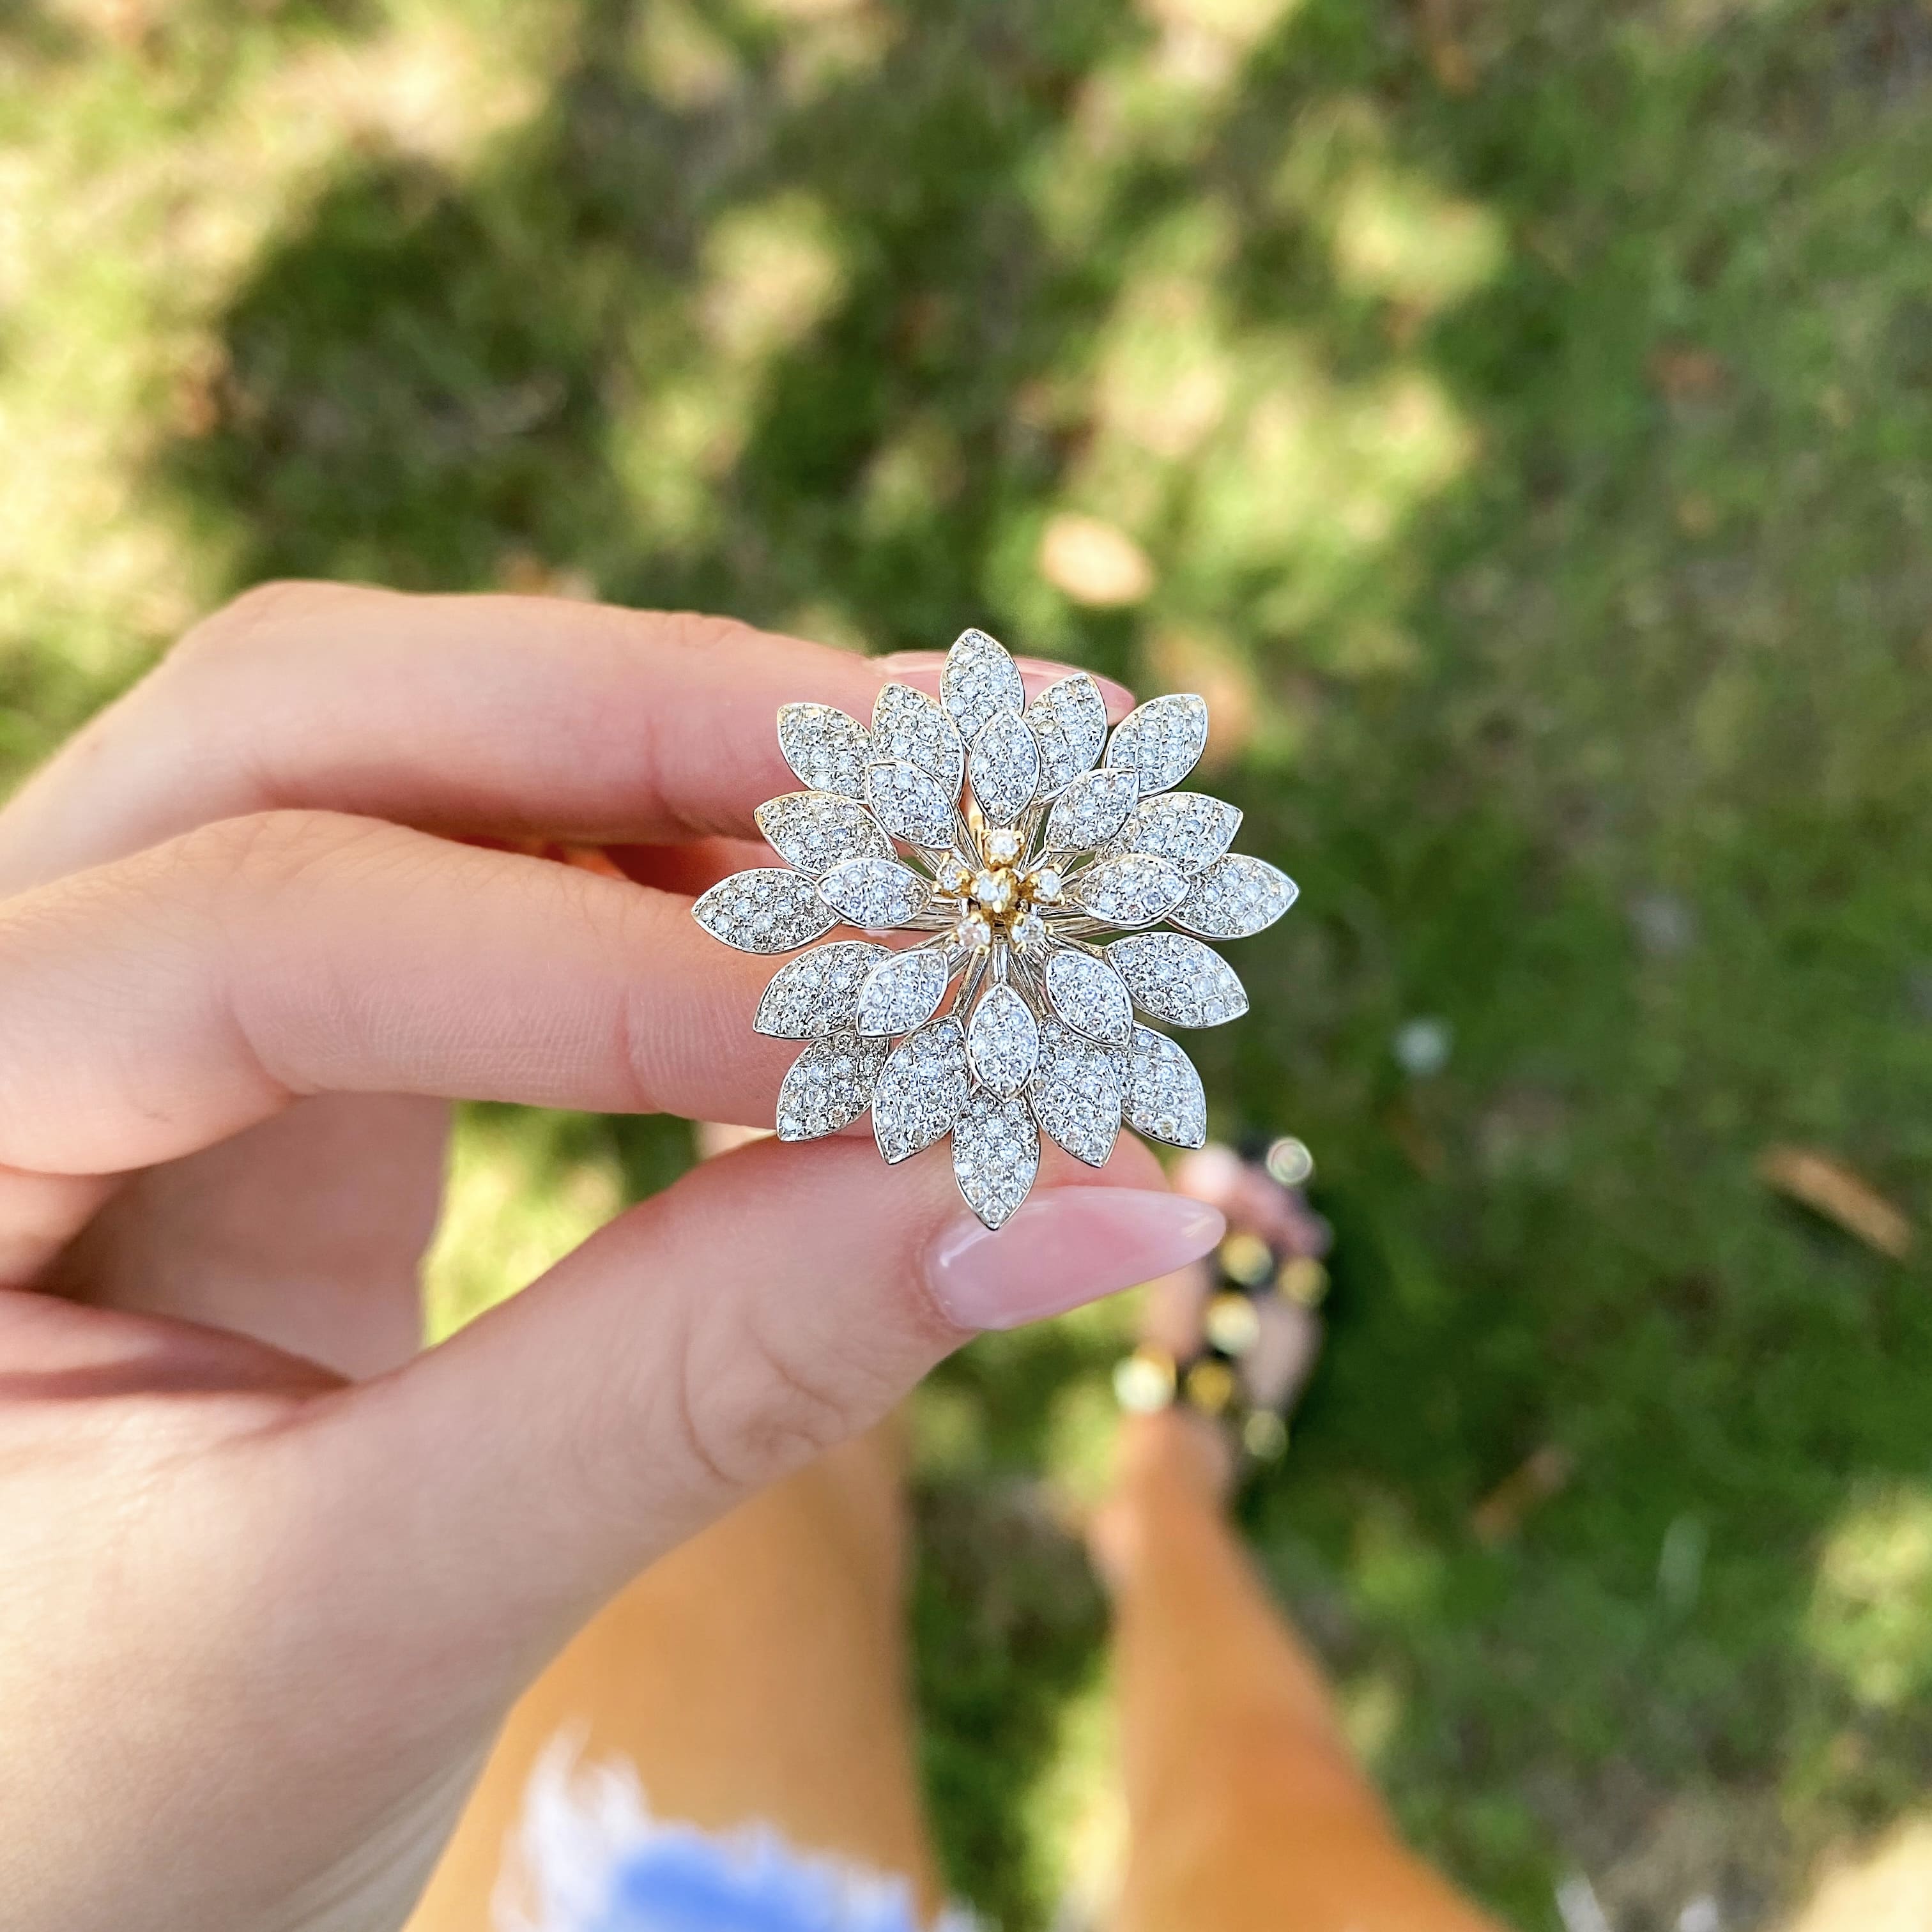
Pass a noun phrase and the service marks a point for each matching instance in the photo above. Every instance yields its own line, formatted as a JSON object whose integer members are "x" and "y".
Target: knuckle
{"x": 271, "y": 615}
{"x": 745, "y": 1412}
{"x": 700, "y": 632}
{"x": 264, "y": 850}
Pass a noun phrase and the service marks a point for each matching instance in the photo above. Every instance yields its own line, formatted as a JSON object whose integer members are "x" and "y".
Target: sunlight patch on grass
{"x": 1871, "y": 1618}
{"x": 1203, "y": 43}
{"x": 1392, "y": 232}
{"x": 828, "y": 42}
{"x": 434, "y": 87}
{"x": 772, "y": 272}
{"x": 1265, "y": 488}
{"x": 135, "y": 202}
{"x": 912, "y": 478}
{"x": 1079, "y": 1810}
{"x": 1372, "y": 1707}
{"x": 1395, "y": 1573}
{"x": 1398, "y": 234}
{"x": 521, "y": 1197}
{"x": 681, "y": 59}
{"x": 697, "y": 362}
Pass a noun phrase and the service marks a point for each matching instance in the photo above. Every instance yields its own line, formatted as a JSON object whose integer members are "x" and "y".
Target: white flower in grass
{"x": 1026, "y": 857}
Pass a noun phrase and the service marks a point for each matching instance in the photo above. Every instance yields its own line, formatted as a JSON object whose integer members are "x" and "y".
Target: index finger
{"x": 513, "y": 716}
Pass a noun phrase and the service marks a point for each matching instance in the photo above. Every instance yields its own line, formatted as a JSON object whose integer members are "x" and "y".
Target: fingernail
{"x": 1039, "y": 672}
{"x": 1068, "y": 1246}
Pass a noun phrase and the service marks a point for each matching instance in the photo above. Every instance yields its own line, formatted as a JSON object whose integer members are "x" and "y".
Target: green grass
{"x": 1530, "y": 434}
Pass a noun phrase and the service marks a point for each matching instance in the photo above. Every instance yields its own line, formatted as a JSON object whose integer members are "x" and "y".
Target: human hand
{"x": 269, "y": 1579}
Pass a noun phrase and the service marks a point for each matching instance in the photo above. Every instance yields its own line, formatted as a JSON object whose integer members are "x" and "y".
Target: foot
{"x": 1227, "y": 1345}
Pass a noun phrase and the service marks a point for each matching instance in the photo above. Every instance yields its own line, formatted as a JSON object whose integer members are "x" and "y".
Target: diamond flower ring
{"x": 995, "y": 831}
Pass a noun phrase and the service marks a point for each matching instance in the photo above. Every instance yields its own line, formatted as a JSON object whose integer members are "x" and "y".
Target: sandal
{"x": 1239, "y": 1349}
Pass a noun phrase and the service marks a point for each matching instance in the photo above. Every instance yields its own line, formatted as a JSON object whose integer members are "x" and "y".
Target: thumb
{"x": 777, "y": 1300}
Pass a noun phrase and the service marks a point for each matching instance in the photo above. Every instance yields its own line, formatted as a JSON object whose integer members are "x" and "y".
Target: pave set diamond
{"x": 1007, "y": 841}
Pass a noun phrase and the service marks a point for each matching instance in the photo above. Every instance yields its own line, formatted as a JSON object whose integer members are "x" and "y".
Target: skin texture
{"x": 269, "y": 1578}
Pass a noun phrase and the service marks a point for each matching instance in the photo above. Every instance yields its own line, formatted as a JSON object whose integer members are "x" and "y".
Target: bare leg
{"x": 1246, "y": 1811}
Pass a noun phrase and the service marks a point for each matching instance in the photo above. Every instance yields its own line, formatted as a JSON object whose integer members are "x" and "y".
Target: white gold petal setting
{"x": 910, "y": 804}
{"x": 1235, "y": 898}
{"x": 1076, "y": 1093}
{"x": 1068, "y": 720}
{"x": 1178, "y": 979}
{"x": 876, "y": 893}
{"x": 818, "y": 993}
{"x": 813, "y": 831}
{"x": 827, "y": 748}
{"x": 1004, "y": 767}
{"x": 979, "y": 682}
{"x": 903, "y": 990}
{"x": 1009, "y": 842}
{"x": 1189, "y": 827}
{"x": 1135, "y": 888}
{"x": 1002, "y": 1042}
{"x": 1091, "y": 809}
{"x": 995, "y": 1155}
{"x": 907, "y": 724}
{"x": 1090, "y": 996}
{"x": 829, "y": 1086}
{"x": 1164, "y": 1097}
{"x": 766, "y": 910}
{"x": 922, "y": 1089}
{"x": 1161, "y": 741}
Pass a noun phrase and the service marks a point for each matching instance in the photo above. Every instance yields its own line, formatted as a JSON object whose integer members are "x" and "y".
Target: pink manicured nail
{"x": 1068, "y": 1246}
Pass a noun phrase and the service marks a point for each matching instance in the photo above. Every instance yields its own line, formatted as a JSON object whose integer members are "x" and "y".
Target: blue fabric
{"x": 589, "y": 1856}
{"x": 680, "y": 1880}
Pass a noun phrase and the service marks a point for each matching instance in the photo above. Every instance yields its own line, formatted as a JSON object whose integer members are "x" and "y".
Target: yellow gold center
{"x": 995, "y": 891}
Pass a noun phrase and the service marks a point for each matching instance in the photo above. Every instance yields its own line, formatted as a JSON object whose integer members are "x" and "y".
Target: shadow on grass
{"x": 1532, "y": 469}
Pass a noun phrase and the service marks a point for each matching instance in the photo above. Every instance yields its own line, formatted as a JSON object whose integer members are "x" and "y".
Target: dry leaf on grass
{"x": 1542, "y": 1474}
{"x": 1828, "y": 1187}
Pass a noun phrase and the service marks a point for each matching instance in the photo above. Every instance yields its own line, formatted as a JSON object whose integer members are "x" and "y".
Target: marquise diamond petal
{"x": 995, "y": 1155}
{"x": 1090, "y": 996}
{"x": 1091, "y": 809}
{"x": 876, "y": 893}
{"x": 829, "y": 1086}
{"x": 1189, "y": 827}
{"x": 1076, "y": 1093}
{"x": 1178, "y": 979}
{"x": 911, "y": 806}
{"x": 903, "y": 990}
{"x": 1133, "y": 889}
{"x": 922, "y": 1089}
{"x": 1070, "y": 721}
{"x": 907, "y": 724}
{"x": 1164, "y": 1099}
{"x": 827, "y": 748}
{"x": 1002, "y": 1041}
{"x": 1004, "y": 766}
{"x": 980, "y": 681}
{"x": 766, "y": 910}
{"x": 1236, "y": 896}
{"x": 818, "y": 993}
{"x": 1162, "y": 740}
{"x": 813, "y": 831}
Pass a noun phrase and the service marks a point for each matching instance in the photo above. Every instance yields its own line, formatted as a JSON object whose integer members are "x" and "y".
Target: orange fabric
{"x": 760, "y": 1673}
{"x": 757, "y": 1673}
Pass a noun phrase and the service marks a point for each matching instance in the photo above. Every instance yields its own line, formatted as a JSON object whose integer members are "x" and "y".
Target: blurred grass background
{"x": 1515, "y": 415}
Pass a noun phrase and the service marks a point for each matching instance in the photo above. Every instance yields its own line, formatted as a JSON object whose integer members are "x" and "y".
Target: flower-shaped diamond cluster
{"x": 1027, "y": 855}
